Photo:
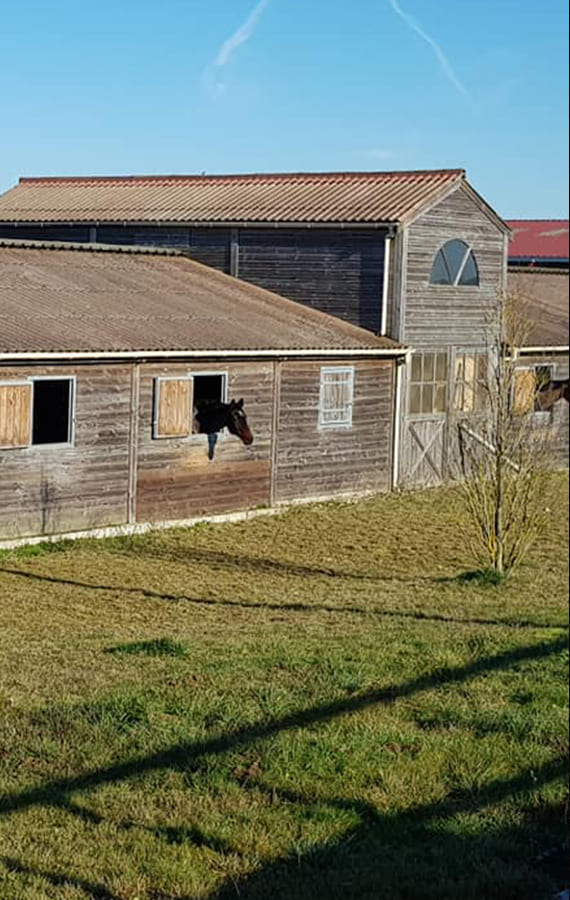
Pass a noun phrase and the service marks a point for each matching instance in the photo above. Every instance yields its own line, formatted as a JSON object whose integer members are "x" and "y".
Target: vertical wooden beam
{"x": 505, "y": 269}
{"x": 400, "y": 268}
{"x": 133, "y": 445}
{"x": 93, "y": 234}
{"x": 388, "y": 240}
{"x": 234, "y": 253}
{"x": 277, "y": 367}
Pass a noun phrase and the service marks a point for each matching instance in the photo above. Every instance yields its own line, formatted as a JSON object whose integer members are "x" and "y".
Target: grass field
{"x": 314, "y": 705}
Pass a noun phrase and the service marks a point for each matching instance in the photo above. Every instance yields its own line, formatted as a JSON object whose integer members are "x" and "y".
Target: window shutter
{"x": 525, "y": 391}
{"x": 337, "y": 397}
{"x": 172, "y": 408}
{"x": 15, "y": 415}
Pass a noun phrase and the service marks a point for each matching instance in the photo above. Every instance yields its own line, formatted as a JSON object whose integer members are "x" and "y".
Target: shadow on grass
{"x": 188, "y": 755}
{"x": 412, "y": 855}
{"x": 293, "y": 607}
{"x": 94, "y": 891}
{"x": 157, "y": 647}
{"x": 368, "y": 861}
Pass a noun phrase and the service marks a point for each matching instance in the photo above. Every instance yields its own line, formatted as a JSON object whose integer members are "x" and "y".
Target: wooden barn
{"x": 104, "y": 355}
{"x": 539, "y": 274}
{"x": 414, "y": 256}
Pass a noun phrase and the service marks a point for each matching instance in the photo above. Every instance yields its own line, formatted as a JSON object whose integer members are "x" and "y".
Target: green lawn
{"x": 314, "y": 705}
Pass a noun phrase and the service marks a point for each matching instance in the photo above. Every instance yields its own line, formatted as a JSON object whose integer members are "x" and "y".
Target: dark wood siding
{"x": 72, "y": 233}
{"x": 211, "y": 246}
{"x": 145, "y": 235}
{"x": 176, "y": 480}
{"x": 314, "y": 463}
{"x": 45, "y": 490}
{"x": 437, "y": 316}
{"x": 337, "y": 272}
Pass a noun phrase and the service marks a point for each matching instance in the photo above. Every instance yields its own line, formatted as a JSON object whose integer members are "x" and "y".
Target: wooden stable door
{"x": 424, "y": 452}
{"x": 425, "y": 423}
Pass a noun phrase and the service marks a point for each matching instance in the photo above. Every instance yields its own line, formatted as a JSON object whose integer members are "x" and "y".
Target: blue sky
{"x": 181, "y": 86}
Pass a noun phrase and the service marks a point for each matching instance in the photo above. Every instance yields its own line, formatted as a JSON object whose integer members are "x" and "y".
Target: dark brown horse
{"x": 550, "y": 392}
{"x": 213, "y": 416}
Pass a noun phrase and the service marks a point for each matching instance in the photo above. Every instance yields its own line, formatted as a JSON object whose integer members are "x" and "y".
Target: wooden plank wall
{"x": 47, "y": 490}
{"x": 438, "y": 316}
{"x": 337, "y": 272}
{"x": 311, "y": 463}
{"x": 176, "y": 480}
{"x": 71, "y": 233}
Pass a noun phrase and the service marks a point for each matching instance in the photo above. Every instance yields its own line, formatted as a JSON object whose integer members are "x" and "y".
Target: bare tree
{"x": 504, "y": 458}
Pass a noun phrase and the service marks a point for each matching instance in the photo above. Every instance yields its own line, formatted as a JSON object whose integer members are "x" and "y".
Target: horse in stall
{"x": 550, "y": 393}
{"x": 212, "y": 416}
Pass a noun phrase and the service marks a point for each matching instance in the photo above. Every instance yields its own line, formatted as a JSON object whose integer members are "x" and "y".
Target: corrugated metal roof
{"x": 85, "y": 298}
{"x": 544, "y": 293}
{"x": 539, "y": 239}
{"x": 351, "y": 197}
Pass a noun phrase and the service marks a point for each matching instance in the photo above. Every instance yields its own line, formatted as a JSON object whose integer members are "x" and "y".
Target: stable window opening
{"x": 52, "y": 411}
{"x": 208, "y": 388}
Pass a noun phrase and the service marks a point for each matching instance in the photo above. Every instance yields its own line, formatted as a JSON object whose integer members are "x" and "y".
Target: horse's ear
{"x": 239, "y": 404}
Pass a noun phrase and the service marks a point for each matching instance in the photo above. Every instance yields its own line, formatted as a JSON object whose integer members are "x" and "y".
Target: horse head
{"x": 237, "y": 422}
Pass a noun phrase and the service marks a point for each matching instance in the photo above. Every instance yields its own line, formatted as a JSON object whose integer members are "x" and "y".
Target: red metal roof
{"x": 539, "y": 239}
{"x": 348, "y": 197}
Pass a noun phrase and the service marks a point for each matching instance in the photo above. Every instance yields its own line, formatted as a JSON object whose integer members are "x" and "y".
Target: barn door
{"x": 425, "y": 427}
{"x": 425, "y": 456}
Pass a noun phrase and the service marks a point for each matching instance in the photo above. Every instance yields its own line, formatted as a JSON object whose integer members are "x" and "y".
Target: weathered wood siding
{"x": 337, "y": 272}
{"x": 53, "y": 490}
{"x": 442, "y": 319}
{"x": 439, "y": 316}
{"x": 175, "y": 478}
{"x": 310, "y": 462}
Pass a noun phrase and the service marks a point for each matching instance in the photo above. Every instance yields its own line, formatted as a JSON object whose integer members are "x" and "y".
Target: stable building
{"x": 104, "y": 353}
{"x": 418, "y": 257}
{"x": 538, "y": 274}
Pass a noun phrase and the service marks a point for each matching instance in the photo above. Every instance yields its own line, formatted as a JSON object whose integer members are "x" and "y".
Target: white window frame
{"x": 539, "y": 416}
{"x": 457, "y": 282}
{"x": 338, "y": 425}
{"x": 72, "y": 412}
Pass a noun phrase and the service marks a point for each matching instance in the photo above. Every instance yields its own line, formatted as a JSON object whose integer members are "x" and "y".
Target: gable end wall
{"x": 439, "y": 316}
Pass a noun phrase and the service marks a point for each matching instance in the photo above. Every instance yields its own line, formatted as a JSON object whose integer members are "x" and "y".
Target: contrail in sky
{"x": 242, "y": 35}
{"x": 442, "y": 59}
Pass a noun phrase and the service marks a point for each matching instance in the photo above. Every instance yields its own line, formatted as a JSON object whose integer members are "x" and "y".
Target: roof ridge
{"x": 75, "y": 246}
{"x": 46, "y": 179}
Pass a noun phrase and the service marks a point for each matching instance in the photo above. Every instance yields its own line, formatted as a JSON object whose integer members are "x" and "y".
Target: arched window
{"x": 455, "y": 264}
